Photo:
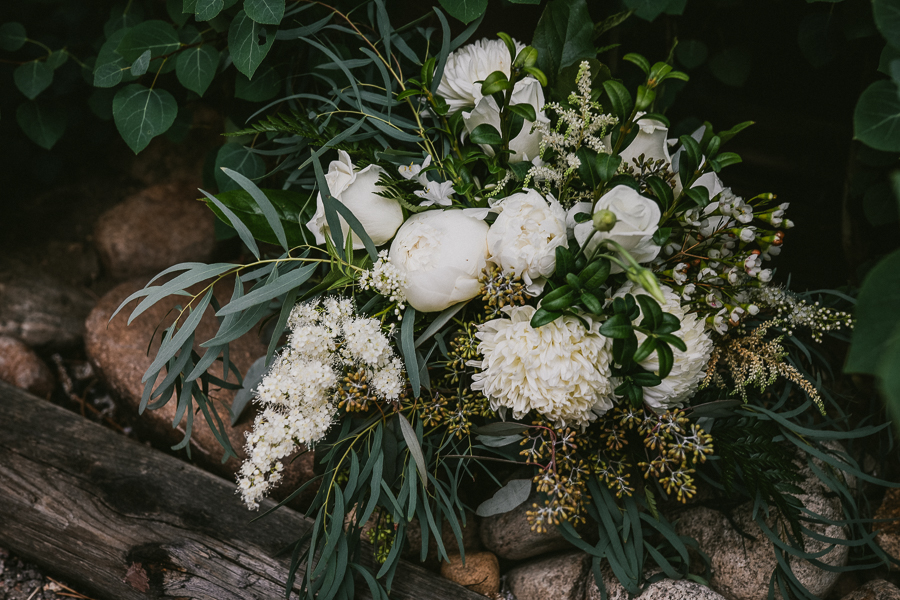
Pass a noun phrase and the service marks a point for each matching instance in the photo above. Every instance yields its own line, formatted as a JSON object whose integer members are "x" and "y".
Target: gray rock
{"x": 21, "y": 367}
{"x": 560, "y": 577}
{"x": 664, "y": 589}
{"x": 154, "y": 229}
{"x": 40, "y": 309}
{"x": 877, "y": 589}
{"x": 742, "y": 567}
{"x": 508, "y": 535}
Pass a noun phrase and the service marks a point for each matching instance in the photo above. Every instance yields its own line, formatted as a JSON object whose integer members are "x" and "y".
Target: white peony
{"x": 560, "y": 370}
{"x": 526, "y": 146}
{"x": 637, "y": 219}
{"x": 357, "y": 190}
{"x": 441, "y": 255}
{"x": 689, "y": 367}
{"x": 525, "y": 235}
{"x": 471, "y": 63}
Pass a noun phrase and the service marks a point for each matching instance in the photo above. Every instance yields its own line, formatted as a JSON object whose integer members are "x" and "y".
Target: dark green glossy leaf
{"x": 647, "y": 9}
{"x": 465, "y": 10}
{"x": 141, "y": 114}
{"x": 265, "y": 12}
{"x": 876, "y": 120}
{"x": 651, "y": 312}
{"x": 877, "y": 316}
{"x": 619, "y": 99}
{"x": 542, "y": 316}
{"x": 608, "y": 165}
{"x": 887, "y": 20}
{"x": 289, "y": 206}
{"x": 486, "y": 134}
{"x": 159, "y": 37}
{"x": 563, "y": 35}
{"x": 206, "y": 10}
{"x": 616, "y": 327}
{"x": 666, "y": 358}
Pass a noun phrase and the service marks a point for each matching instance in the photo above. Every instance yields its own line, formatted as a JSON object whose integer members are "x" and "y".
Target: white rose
{"x": 526, "y": 146}
{"x": 442, "y": 255}
{"x": 379, "y": 216}
{"x": 650, "y": 141}
{"x": 525, "y": 235}
{"x": 637, "y": 219}
{"x": 471, "y": 63}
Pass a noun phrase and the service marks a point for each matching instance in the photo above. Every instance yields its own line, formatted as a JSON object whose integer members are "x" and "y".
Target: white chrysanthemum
{"x": 471, "y": 63}
{"x": 525, "y": 235}
{"x": 689, "y": 367}
{"x": 560, "y": 370}
{"x": 296, "y": 394}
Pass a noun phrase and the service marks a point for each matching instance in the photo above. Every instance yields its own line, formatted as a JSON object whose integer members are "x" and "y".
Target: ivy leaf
{"x": 265, "y": 12}
{"x": 32, "y": 78}
{"x": 141, "y": 114}
{"x": 264, "y": 87}
{"x": 876, "y": 120}
{"x": 248, "y": 42}
{"x": 158, "y": 37}
{"x": 507, "y": 498}
{"x": 196, "y": 67}
{"x": 139, "y": 67}
{"x": 12, "y": 36}
{"x": 206, "y": 10}
{"x": 563, "y": 35}
{"x": 43, "y": 125}
{"x": 465, "y": 10}
{"x": 239, "y": 159}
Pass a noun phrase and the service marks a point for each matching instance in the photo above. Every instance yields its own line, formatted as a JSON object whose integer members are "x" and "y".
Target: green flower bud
{"x": 647, "y": 280}
{"x": 604, "y": 220}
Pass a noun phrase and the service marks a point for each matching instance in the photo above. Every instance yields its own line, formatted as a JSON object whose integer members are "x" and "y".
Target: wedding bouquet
{"x": 510, "y": 272}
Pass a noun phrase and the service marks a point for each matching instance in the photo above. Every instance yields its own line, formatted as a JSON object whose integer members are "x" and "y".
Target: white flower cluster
{"x": 386, "y": 279}
{"x": 796, "y": 312}
{"x": 560, "y": 370}
{"x": 297, "y": 394}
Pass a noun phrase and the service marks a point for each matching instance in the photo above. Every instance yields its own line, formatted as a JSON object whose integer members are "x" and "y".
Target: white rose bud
{"x": 379, "y": 216}
{"x": 442, "y": 255}
{"x": 525, "y": 235}
{"x": 526, "y": 146}
{"x": 637, "y": 219}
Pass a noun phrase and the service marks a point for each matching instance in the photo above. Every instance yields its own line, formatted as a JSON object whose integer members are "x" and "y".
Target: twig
{"x": 72, "y": 593}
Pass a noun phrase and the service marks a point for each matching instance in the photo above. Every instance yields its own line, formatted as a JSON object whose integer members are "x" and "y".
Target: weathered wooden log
{"x": 126, "y": 522}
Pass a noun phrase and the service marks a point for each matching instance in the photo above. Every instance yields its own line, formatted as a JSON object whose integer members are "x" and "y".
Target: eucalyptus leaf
{"x": 240, "y": 159}
{"x": 876, "y": 119}
{"x": 159, "y": 37}
{"x": 506, "y": 498}
{"x": 12, "y": 36}
{"x": 244, "y": 395}
{"x": 32, "y": 78}
{"x": 207, "y": 10}
{"x": 265, "y": 12}
{"x": 108, "y": 75}
{"x": 139, "y": 66}
{"x": 465, "y": 10}
{"x": 412, "y": 442}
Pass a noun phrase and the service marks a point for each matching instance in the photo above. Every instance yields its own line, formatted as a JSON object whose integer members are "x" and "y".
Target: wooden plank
{"x": 87, "y": 503}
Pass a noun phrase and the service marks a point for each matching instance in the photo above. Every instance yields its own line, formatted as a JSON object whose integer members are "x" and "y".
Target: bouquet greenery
{"x": 507, "y": 272}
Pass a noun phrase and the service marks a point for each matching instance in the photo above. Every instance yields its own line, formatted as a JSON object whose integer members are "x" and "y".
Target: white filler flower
{"x": 524, "y": 237}
{"x": 440, "y": 255}
{"x": 560, "y": 370}
{"x": 471, "y": 63}
{"x": 357, "y": 190}
{"x": 689, "y": 367}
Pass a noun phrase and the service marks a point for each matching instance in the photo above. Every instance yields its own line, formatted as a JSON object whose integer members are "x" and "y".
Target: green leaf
{"x": 32, "y": 78}
{"x": 506, "y": 498}
{"x": 616, "y": 327}
{"x": 876, "y": 120}
{"x": 248, "y": 42}
{"x": 57, "y": 59}
{"x": 563, "y": 35}
{"x": 887, "y": 20}
{"x": 888, "y": 372}
{"x": 465, "y": 10}
{"x": 139, "y": 67}
{"x": 159, "y": 37}
{"x": 412, "y": 442}
{"x": 43, "y": 125}
{"x": 608, "y": 165}
{"x": 486, "y": 134}
{"x": 495, "y": 82}
{"x": 141, "y": 114}
{"x": 264, "y": 86}
{"x": 691, "y": 53}
{"x": 877, "y": 316}
{"x": 588, "y": 170}
{"x": 526, "y": 111}
{"x": 647, "y": 9}
{"x": 108, "y": 75}
{"x": 12, "y": 36}
{"x": 501, "y": 429}
{"x": 542, "y": 316}
{"x": 408, "y": 346}
{"x": 732, "y": 66}
{"x": 619, "y": 98}
{"x": 206, "y": 10}
{"x": 196, "y": 67}
{"x": 265, "y": 12}
{"x": 639, "y": 60}
{"x": 666, "y": 358}
{"x": 237, "y": 158}
{"x": 289, "y": 206}
{"x": 173, "y": 9}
